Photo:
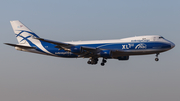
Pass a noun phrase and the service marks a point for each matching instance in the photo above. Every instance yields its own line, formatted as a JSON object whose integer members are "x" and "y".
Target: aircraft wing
{"x": 65, "y": 46}
{"x": 20, "y": 46}
{"x": 54, "y": 42}
{"x": 89, "y": 50}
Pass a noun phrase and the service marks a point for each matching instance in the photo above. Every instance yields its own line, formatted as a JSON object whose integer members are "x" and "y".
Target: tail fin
{"x": 23, "y": 34}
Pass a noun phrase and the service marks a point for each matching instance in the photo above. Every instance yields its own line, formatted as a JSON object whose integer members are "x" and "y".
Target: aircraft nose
{"x": 172, "y": 45}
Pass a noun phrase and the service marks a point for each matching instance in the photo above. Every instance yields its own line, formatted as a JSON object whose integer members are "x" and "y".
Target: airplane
{"x": 119, "y": 49}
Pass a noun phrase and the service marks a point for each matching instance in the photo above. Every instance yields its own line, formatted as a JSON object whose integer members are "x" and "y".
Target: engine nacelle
{"x": 105, "y": 53}
{"x": 123, "y": 58}
{"x": 76, "y": 49}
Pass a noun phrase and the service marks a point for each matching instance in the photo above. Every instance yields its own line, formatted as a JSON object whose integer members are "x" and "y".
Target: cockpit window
{"x": 161, "y": 37}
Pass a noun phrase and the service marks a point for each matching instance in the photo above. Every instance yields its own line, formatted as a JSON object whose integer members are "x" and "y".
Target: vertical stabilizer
{"x": 22, "y": 33}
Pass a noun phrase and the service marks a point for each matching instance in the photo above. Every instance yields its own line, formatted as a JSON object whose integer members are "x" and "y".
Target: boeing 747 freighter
{"x": 119, "y": 49}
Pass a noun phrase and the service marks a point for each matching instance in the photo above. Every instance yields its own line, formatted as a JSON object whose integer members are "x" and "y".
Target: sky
{"x": 33, "y": 77}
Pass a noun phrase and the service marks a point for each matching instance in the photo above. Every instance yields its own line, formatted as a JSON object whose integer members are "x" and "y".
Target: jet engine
{"x": 76, "y": 49}
{"x": 105, "y": 53}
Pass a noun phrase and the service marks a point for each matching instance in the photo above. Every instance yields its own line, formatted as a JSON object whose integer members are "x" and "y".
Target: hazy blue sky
{"x": 32, "y": 77}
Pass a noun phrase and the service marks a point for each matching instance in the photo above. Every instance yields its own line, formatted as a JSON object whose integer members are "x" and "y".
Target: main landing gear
{"x": 157, "y": 59}
{"x": 94, "y": 61}
{"x": 103, "y": 62}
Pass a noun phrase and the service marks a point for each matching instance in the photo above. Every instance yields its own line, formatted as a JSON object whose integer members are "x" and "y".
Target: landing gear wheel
{"x": 93, "y": 61}
{"x": 156, "y": 59}
{"x": 89, "y": 62}
{"x": 102, "y": 64}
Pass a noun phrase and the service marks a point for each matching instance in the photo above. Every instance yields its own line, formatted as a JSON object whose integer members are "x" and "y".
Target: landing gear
{"x": 103, "y": 62}
{"x": 93, "y": 61}
{"x": 89, "y": 62}
{"x": 157, "y": 59}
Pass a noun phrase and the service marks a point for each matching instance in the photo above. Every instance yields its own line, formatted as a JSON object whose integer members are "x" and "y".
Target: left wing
{"x": 66, "y": 46}
{"x": 88, "y": 50}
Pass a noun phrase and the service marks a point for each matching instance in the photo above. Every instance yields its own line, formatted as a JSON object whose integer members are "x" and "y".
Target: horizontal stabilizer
{"x": 20, "y": 46}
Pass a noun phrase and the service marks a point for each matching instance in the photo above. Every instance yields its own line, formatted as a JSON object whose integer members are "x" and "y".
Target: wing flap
{"x": 89, "y": 48}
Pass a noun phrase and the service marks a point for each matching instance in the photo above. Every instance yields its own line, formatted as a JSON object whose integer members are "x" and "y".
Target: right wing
{"x": 66, "y": 46}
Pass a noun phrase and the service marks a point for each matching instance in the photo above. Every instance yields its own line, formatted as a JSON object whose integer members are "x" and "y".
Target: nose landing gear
{"x": 157, "y": 59}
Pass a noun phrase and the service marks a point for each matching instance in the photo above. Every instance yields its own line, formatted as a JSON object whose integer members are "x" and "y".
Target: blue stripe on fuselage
{"x": 110, "y": 46}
